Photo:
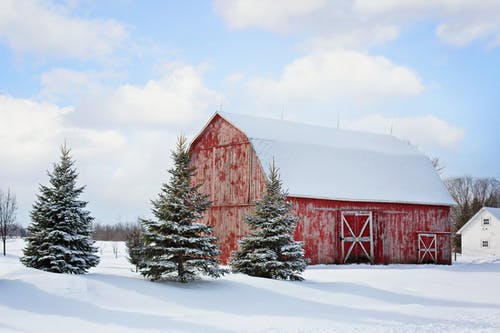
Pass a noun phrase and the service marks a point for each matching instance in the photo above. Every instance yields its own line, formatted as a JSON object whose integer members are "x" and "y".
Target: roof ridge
{"x": 222, "y": 113}
{"x": 282, "y": 131}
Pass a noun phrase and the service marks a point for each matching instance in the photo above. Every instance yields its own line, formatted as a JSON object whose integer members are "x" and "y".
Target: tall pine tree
{"x": 176, "y": 246}
{"x": 270, "y": 250}
{"x": 60, "y": 238}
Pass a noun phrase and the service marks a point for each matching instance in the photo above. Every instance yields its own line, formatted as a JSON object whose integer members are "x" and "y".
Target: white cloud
{"x": 356, "y": 37}
{"x": 330, "y": 23}
{"x": 459, "y": 21}
{"x": 44, "y": 28}
{"x": 62, "y": 84}
{"x": 122, "y": 171}
{"x": 121, "y": 136}
{"x": 423, "y": 131}
{"x": 235, "y": 78}
{"x": 362, "y": 23}
{"x": 177, "y": 98}
{"x": 135, "y": 174}
{"x": 31, "y": 133}
{"x": 458, "y": 34}
{"x": 273, "y": 15}
{"x": 28, "y": 129}
{"x": 338, "y": 74}
{"x": 387, "y": 8}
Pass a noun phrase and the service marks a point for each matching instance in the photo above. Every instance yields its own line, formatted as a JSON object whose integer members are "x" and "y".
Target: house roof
{"x": 321, "y": 162}
{"x": 493, "y": 211}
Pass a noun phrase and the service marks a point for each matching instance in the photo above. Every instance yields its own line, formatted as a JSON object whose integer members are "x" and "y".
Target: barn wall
{"x": 230, "y": 172}
{"x": 395, "y": 229}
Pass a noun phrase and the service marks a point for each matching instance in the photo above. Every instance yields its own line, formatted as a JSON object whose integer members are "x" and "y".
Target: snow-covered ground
{"x": 464, "y": 297}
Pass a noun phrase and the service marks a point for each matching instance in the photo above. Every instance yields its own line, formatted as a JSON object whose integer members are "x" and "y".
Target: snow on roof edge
{"x": 372, "y": 200}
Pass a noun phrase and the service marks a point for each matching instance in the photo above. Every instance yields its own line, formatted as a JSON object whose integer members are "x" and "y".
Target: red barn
{"x": 360, "y": 197}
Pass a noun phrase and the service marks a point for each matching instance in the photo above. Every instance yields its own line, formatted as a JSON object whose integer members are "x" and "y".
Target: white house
{"x": 481, "y": 234}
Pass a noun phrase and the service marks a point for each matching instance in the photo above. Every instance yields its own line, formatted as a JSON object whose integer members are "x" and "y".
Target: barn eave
{"x": 302, "y": 196}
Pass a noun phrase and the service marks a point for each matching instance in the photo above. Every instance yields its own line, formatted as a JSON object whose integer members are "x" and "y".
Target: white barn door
{"x": 427, "y": 248}
{"x": 356, "y": 237}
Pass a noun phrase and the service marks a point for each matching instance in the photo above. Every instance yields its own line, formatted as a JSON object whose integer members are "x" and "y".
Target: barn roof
{"x": 321, "y": 162}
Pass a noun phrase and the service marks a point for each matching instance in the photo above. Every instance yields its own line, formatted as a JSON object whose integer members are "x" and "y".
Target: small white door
{"x": 427, "y": 248}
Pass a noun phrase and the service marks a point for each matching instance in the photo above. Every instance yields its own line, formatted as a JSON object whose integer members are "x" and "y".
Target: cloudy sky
{"x": 120, "y": 79}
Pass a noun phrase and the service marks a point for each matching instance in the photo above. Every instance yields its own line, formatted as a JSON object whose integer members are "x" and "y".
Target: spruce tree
{"x": 176, "y": 245}
{"x": 135, "y": 247}
{"x": 270, "y": 250}
{"x": 60, "y": 237}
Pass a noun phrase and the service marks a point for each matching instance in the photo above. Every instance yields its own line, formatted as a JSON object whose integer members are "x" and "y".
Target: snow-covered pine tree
{"x": 135, "y": 247}
{"x": 176, "y": 245}
{"x": 60, "y": 238}
{"x": 270, "y": 250}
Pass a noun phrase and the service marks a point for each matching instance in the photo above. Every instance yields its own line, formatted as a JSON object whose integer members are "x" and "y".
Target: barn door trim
{"x": 427, "y": 250}
{"x": 354, "y": 238}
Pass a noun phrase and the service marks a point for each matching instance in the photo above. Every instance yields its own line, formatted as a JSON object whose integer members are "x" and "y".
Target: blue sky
{"x": 119, "y": 80}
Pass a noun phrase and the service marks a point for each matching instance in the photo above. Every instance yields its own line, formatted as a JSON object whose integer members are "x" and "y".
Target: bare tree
{"x": 470, "y": 194}
{"x": 115, "y": 249}
{"x": 438, "y": 165}
{"x": 8, "y": 207}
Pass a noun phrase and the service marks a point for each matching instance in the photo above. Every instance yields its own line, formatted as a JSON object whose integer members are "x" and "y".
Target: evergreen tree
{"x": 176, "y": 246}
{"x": 60, "y": 237}
{"x": 270, "y": 250}
{"x": 135, "y": 247}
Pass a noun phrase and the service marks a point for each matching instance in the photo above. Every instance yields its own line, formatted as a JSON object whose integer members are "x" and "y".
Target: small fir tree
{"x": 270, "y": 250}
{"x": 176, "y": 245}
{"x": 135, "y": 247}
{"x": 60, "y": 237}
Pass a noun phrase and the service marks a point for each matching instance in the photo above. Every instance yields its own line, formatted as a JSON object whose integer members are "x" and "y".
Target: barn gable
{"x": 320, "y": 162}
{"x": 227, "y": 166}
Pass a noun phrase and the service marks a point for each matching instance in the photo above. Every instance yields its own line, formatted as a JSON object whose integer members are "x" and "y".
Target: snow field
{"x": 464, "y": 297}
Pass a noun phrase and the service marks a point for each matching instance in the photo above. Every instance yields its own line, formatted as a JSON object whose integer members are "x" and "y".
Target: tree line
{"x": 114, "y": 232}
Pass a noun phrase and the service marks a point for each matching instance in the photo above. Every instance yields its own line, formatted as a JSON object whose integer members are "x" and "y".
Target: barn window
{"x": 485, "y": 243}
{"x": 486, "y": 222}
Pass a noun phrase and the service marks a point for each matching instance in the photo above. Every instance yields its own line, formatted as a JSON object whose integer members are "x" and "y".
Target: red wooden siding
{"x": 395, "y": 229}
{"x": 230, "y": 172}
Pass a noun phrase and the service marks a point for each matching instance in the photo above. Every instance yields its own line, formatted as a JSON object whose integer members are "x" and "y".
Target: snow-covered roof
{"x": 493, "y": 211}
{"x": 321, "y": 162}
